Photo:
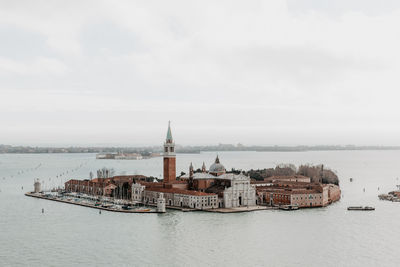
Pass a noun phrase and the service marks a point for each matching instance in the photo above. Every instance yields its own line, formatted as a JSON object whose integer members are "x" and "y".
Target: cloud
{"x": 256, "y": 69}
{"x": 39, "y": 66}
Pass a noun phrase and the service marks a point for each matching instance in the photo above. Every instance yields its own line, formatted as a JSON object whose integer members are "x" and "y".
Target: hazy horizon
{"x": 310, "y": 72}
{"x": 94, "y": 145}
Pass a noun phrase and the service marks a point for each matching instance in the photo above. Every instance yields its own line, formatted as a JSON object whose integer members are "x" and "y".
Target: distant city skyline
{"x": 311, "y": 72}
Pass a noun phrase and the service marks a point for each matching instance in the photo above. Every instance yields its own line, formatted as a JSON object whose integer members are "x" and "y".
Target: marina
{"x": 91, "y": 204}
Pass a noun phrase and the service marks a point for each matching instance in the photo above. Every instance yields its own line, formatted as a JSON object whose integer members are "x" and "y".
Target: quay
{"x": 241, "y": 209}
{"x": 216, "y": 210}
{"x": 41, "y": 196}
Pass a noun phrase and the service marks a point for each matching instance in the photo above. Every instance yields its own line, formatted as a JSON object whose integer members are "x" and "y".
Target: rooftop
{"x": 178, "y": 191}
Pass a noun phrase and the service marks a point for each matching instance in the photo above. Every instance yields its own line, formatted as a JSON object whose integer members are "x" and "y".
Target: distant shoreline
{"x": 146, "y": 151}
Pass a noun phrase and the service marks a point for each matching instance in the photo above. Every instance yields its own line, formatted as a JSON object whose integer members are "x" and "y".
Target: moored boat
{"x": 360, "y": 208}
{"x": 289, "y": 207}
{"x": 143, "y": 210}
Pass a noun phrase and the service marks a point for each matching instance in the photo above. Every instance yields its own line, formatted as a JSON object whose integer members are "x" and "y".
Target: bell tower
{"x": 169, "y": 158}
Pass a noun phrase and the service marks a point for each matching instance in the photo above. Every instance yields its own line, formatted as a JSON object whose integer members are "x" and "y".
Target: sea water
{"x": 69, "y": 235}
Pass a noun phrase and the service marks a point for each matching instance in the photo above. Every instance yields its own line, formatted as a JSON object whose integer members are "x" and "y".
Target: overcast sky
{"x": 255, "y": 72}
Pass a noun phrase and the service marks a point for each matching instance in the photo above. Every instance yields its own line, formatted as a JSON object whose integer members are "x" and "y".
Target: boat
{"x": 143, "y": 210}
{"x": 360, "y": 208}
{"x": 289, "y": 207}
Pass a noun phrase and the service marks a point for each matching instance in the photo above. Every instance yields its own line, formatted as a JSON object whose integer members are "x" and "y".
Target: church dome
{"x": 217, "y": 167}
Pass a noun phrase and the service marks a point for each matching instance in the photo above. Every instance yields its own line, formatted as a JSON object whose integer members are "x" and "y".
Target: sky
{"x": 296, "y": 72}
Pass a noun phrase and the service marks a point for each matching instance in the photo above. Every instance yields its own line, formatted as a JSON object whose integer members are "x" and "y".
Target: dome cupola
{"x": 217, "y": 168}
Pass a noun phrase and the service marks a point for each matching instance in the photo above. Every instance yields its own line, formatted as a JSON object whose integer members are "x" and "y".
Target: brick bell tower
{"x": 169, "y": 158}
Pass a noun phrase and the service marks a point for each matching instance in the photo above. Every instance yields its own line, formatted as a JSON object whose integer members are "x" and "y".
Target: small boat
{"x": 289, "y": 207}
{"x": 360, "y": 208}
{"x": 143, "y": 210}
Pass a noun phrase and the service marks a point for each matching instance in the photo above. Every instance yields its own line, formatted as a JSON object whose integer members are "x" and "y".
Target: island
{"x": 212, "y": 189}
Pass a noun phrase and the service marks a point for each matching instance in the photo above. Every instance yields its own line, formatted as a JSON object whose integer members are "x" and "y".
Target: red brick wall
{"x": 169, "y": 170}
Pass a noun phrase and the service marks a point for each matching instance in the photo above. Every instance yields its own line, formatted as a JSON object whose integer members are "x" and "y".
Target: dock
{"x": 41, "y": 196}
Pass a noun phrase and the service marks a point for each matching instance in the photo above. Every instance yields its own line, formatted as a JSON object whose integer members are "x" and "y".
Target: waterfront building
{"x": 300, "y": 179}
{"x": 288, "y": 178}
{"x": 233, "y": 190}
{"x": 298, "y": 194}
{"x": 175, "y": 197}
{"x": 116, "y": 186}
{"x": 137, "y": 192}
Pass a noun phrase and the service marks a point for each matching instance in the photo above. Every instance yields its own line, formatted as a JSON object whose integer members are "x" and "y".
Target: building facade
{"x": 233, "y": 189}
{"x": 181, "y": 198}
{"x": 302, "y": 195}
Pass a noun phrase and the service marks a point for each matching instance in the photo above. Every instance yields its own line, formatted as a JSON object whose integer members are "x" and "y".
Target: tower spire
{"x": 191, "y": 170}
{"x": 169, "y": 134}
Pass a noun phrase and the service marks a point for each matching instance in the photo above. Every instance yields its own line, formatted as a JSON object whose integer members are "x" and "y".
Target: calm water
{"x": 68, "y": 235}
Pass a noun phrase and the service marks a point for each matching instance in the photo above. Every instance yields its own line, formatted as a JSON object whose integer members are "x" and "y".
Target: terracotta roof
{"x": 177, "y": 182}
{"x": 178, "y": 191}
{"x": 303, "y": 192}
{"x": 103, "y": 180}
{"x": 150, "y": 184}
{"x": 259, "y": 182}
{"x": 129, "y": 177}
{"x": 296, "y": 176}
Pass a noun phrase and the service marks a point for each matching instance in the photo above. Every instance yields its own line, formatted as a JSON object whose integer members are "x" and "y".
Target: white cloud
{"x": 40, "y": 66}
{"x": 256, "y": 71}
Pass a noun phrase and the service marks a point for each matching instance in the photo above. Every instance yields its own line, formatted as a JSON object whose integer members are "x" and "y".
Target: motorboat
{"x": 360, "y": 208}
{"x": 289, "y": 207}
